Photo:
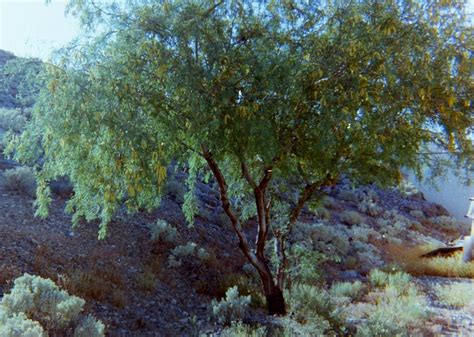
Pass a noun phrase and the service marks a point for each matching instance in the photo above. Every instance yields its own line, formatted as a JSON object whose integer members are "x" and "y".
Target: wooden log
{"x": 443, "y": 251}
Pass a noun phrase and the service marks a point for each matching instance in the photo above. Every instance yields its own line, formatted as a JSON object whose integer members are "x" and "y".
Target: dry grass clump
{"x": 457, "y": 295}
{"x": 411, "y": 261}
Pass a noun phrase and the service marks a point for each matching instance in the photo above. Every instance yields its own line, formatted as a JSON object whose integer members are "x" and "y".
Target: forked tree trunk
{"x": 273, "y": 295}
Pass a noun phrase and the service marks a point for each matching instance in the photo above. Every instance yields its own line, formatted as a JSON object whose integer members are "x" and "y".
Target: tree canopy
{"x": 261, "y": 93}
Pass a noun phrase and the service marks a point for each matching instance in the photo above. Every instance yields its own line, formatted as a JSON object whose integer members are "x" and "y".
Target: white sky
{"x": 30, "y": 28}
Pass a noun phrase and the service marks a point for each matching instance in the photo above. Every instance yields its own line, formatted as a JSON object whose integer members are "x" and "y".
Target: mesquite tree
{"x": 259, "y": 93}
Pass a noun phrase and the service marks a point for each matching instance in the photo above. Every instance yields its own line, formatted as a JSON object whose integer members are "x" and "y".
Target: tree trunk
{"x": 276, "y": 302}
{"x": 273, "y": 295}
{"x": 271, "y": 289}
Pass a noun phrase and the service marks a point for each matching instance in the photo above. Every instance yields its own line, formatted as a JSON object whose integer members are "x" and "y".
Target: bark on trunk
{"x": 276, "y": 302}
{"x": 273, "y": 293}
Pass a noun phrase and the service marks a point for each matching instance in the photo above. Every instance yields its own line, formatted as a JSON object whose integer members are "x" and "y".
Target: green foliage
{"x": 35, "y": 304}
{"x": 323, "y": 88}
{"x": 20, "y": 82}
{"x": 305, "y": 264}
{"x": 231, "y": 308}
{"x": 12, "y": 119}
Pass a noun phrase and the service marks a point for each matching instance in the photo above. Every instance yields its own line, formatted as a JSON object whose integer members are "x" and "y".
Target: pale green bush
{"x": 41, "y": 301}
{"x": 445, "y": 221}
{"x": 238, "y": 329}
{"x": 162, "y": 231}
{"x": 378, "y": 278}
{"x": 314, "y": 326}
{"x": 184, "y": 251}
{"x": 231, "y": 308}
{"x": 18, "y": 325}
{"x": 399, "y": 299}
{"x": 89, "y": 327}
{"x": 20, "y": 180}
{"x": 457, "y": 294}
{"x": 351, "y": 218}
{"x": 347, "y": 195}
{"x": 310, "y": 304}
{"x": 322, "y": 213}
{"x": 353, "y": 291}
{"x": 417, "y": 214}
{"x": 369, "y": 207}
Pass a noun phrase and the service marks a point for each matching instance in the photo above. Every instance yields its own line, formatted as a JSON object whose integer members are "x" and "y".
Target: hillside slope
{"x": 130, "y": 284}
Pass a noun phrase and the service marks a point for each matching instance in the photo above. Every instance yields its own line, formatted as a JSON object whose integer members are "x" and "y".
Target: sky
{"x": 30, "y": 28}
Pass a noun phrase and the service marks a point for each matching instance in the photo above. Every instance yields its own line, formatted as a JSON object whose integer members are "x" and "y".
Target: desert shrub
{"x": 398, "y": 281}
{"x": 322, "y": 213}
{"x": 378, "y": 278}
{"x": 417, "y": 214}
{"x": 351, "y": 218}
{"x": 18, "y": 325}
{"x": 353, "y": 291}
{"x": 398, "y": 299}
{"x": 289, "y": 327}
{"x": 41, "y": 301}
{"x": 162, "y": 231}
{"x": 457, "y": 294}
{"x": 368, "y": 255}
{"x": 394, "y": 225}
{"x": 327, "y": 239}
{"x": 361, "y": 233}
{"x": 369, "y": 207}
{"x": 444, "y": 221}
{"x": 231, "y": 308}
{"x": 20, "y": 180}
{"x": 175, "y": 189}
{"x": 328, "y": 202}
{"x": 407, "y": 189}
{"x": 312, "y": 305}
{"x": 238, "y": 329}
{"x": 89, "y": 327}
{"x": 184, "y": 251}
{"x": 347, "y": 195}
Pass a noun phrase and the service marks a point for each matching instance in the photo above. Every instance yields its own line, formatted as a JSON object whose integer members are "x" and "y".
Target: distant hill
{"x": 19, "y": 84}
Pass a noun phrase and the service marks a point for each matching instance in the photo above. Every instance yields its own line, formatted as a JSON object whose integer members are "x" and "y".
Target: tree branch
{"x": 243, "y": 242}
